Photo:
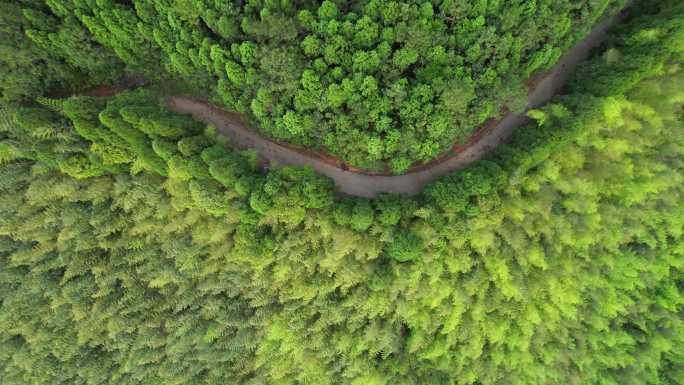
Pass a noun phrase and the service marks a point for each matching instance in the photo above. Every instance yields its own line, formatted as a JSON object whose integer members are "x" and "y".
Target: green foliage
{"x": 557, "y": 261}
{"x": 381, "y": 84}
{"x": 404, "y": 247}
{"x": 44, "y": 52}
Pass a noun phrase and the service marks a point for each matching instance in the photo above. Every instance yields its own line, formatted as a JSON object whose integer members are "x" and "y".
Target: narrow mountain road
{"x": 411, "y": 183}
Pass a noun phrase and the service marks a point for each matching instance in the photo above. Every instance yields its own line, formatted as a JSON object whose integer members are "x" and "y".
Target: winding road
{"x": 364, "y": 185}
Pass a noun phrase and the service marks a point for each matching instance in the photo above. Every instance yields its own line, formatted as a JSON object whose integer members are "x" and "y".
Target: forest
{"x": 382, "y": 85}
{"x": 138, "y": 246}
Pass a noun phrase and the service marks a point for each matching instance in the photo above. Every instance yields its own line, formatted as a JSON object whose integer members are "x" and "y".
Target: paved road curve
{"x": 411, "y": 183}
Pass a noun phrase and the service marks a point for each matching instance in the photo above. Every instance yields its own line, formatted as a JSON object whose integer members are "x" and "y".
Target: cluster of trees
{"x": 137, "y": 247}
{"x": 85, "y": 136}
{"x": 379, "y": 83}
{"x": 46, "y": 50}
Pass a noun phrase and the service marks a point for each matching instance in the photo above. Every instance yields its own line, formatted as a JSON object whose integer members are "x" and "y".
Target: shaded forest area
{"x": 137, "y": 247}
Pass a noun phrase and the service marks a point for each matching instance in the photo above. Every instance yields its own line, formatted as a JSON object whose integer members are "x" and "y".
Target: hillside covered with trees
{"x": 377, "y": 83}
{"x": 138, "y": 247}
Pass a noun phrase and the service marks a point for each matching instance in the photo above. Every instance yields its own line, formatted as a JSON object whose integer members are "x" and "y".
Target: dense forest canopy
{"x": 139, "y": 247}
{"x": 378, "y": 83}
